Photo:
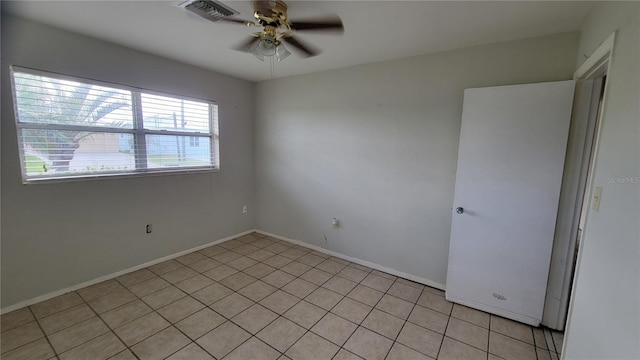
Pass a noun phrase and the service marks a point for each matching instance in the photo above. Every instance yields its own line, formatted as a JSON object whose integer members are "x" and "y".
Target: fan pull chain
{"x": 272, "y": 66}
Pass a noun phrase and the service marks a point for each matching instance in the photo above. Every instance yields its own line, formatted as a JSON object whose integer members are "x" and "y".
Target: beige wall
{"x": 604, "y": 321}
{"x": 60, "y": 234}
{"x": 376, "y": 146}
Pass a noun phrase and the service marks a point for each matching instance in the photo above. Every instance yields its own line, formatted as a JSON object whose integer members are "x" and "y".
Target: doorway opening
{"x": 578, "y": 193}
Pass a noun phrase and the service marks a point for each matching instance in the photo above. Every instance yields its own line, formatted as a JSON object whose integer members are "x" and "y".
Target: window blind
{"x": 74, "y": 128}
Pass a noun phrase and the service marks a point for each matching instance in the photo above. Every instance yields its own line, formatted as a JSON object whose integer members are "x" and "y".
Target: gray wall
{"x": 58, "y": 235}
{"x": 606, "y": 292}
{"x": 376, "y": 146}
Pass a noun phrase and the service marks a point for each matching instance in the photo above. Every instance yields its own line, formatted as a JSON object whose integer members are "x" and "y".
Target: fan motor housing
{"x": 274, "y": 16}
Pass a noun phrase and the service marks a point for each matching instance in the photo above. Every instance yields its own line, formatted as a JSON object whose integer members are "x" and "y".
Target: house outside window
{"x": 70, "y": 127}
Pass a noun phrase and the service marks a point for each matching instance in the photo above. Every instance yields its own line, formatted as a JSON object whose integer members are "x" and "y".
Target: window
{"x": 74, "y": 128}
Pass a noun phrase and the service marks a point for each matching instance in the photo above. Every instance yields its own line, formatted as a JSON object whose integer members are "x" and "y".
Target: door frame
{"x": 596, "y": 66}
{"x": 587, "y": 108}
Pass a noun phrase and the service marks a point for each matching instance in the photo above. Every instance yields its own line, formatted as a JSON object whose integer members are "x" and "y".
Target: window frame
{"x": 137, "y": 131}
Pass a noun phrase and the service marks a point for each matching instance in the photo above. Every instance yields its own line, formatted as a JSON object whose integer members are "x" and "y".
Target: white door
{"x": 510, "y": 161}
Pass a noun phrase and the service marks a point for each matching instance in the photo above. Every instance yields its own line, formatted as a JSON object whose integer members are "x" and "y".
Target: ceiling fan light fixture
{"x": 255, "y": 50}
{"x": 282, "y": 52}
{"x": 268, "y": 46}
{"x": 258, "y": 55}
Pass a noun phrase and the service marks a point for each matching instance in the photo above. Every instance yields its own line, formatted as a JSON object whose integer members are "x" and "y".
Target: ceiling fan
{"x": 277, "y": 29}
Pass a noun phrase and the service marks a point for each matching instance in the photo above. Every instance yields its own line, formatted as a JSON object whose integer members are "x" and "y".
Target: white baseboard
{"x": 375, "y": 266}
{"x": 53, "y": 294}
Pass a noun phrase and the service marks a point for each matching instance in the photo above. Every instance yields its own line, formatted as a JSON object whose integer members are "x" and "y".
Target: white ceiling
{"x": 374, "y": 30}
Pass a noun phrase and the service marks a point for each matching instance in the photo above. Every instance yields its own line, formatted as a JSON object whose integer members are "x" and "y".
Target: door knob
{"x": 459, "y": 210}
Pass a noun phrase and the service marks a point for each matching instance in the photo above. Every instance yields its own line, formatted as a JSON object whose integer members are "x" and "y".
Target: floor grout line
{"x": 43, "y": 333}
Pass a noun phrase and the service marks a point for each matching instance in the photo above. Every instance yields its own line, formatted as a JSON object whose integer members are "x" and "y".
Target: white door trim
{"x": 599, "y": 63}
{"x": 574, "y": 183}
{"x": 595, "y": 62}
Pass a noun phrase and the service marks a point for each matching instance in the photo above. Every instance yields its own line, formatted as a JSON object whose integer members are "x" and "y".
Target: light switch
{"x": 597, "y": 196}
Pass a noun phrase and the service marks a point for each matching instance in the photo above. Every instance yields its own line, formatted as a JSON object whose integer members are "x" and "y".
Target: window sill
{"x": 91, "y": 177}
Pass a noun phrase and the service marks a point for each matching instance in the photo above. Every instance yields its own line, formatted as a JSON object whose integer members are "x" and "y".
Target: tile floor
{"x": 255, "y": 298}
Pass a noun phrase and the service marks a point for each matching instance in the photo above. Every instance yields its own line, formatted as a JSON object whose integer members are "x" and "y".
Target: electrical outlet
{"x": 149, "y": 228}
{"x": 244, "y": 209}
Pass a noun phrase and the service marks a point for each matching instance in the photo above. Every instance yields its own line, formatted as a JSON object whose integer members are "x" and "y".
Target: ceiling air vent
{"x": 210, "y": 10}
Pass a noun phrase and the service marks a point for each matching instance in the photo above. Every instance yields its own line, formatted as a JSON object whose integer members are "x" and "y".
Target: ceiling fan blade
{"x": 307, "y": 50}
{"x": 246, "y": 45}
{"x": 329, "y": 24}
{"x": 238, "y": 21}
